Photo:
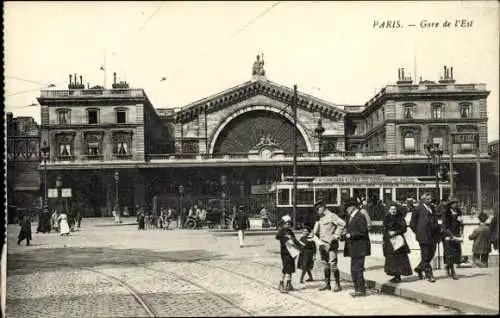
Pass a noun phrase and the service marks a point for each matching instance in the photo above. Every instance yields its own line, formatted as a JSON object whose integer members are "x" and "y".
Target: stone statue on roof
{"x": 258, "y": 66}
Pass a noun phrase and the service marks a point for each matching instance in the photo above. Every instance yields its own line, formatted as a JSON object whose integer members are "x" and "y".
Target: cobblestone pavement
{"x": 121, "y": 272}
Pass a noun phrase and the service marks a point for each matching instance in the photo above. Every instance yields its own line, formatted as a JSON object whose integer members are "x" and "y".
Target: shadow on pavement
{"x": 46, "y": 260}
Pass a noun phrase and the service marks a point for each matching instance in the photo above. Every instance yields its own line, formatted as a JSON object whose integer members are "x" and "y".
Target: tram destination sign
{"x": 369, "y": 180}
{"x": 465, "y": 138}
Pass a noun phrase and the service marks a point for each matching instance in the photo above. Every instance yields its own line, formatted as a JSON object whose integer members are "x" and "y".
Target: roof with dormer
{"x": 259, "y": 86}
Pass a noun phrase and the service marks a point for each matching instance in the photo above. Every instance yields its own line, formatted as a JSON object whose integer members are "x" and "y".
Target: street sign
{"x": 66, "y": 193}
{"x": 52, "y": 193}
{"x": 465, "y": 138}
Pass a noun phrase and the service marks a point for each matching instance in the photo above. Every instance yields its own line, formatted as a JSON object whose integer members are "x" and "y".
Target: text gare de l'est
{"x": 424, "y": 24}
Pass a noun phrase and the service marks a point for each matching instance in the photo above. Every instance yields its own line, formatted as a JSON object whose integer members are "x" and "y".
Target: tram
{"x": 334, "y": 189}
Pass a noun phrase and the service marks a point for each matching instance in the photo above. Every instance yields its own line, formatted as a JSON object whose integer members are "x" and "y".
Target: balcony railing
{"x": 83, "y": 93}
{"x": 122, "y": 157}
{"x": 93, "y": 157}
{"x": 66, "y": 158}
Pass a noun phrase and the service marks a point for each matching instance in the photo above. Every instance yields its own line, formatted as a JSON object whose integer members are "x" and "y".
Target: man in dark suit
{"x": 424, "y": 223}
{"x": 357, "y": 245}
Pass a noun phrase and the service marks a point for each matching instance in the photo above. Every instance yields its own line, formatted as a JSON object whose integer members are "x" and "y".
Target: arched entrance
{"x": 243, "y": 132}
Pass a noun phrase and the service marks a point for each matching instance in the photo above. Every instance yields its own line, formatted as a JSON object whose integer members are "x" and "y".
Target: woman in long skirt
{"x": 397, "y": 263}
{"x": 63, "y": 224}
{"x": 453, "y": 228}
{"x": 55, "y": 222}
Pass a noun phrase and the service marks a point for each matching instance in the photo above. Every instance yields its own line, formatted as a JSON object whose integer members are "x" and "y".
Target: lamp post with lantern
{"x": 44, "y": 222}
{"x": 319, "y": 130}
{"x": 223, "y": 184}
{"x": 181, "y": 194}
{"x": 435, "y": 153}
{"x": 117, "y": 199}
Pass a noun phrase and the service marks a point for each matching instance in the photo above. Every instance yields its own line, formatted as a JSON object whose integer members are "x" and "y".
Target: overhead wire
{"x": 225, "y": 40}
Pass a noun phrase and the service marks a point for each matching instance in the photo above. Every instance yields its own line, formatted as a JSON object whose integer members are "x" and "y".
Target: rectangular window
{"x": 64, "y": 149}
{"x": 122, "y": 148}
{"x": 437, "y": 111}
{"x": 305, "y": 196}
{"x": 92, "y": 116}
{"x": 283, "y": 197}
{"x": 465, "y": 111}
{"x": 329, "y": 196}
{"x": 93, "y": 148}
{"x": 409, "y": 143}
{"x": 63, "y": 117}
{"x": 121, "y": 117}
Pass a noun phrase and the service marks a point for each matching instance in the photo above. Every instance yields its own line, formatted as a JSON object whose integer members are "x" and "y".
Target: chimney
{"x": 88, "y": 85}
{"x": 114, "y": 77}
{"x": 402, "y": 80}
{"x": 451, "y": 71}
{"x": 81, "y": 80}
{"x": 447, "y": 77}
{"x": 399, "y": 74}
{"x": 75, "y": 79}
{"x": 70, "y": 79}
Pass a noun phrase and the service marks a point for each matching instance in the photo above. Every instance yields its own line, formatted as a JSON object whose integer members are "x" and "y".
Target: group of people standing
{"x": 430, "y": 223}
{"x": 57, "y": 221}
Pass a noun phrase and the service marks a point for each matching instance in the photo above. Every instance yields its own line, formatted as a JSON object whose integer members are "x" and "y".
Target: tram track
{"x": 147, "y": 308}
{"x": 266, "y": 285}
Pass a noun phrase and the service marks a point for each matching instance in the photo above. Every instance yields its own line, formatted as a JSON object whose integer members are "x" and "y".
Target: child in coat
{"x": 481, "y": 247}
{"x": 306, "y": 256}
{"x": 288, "y": 243}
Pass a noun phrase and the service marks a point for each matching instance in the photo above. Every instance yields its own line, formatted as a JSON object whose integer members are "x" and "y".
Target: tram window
{"x": 329, "y": 196}
{"x": 446, "y": 193}
{"x": 305, "y": 196}
{"x": 283, "y": 196}
{"x": 404, "y": 193}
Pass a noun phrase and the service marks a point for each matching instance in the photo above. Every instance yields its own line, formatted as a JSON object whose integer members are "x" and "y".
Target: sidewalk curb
{"x": 115, "y": 224}
{"x": 392, "y": 289}
{"x": 247, "y": 233}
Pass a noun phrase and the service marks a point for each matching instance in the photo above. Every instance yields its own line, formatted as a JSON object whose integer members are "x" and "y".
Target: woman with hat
{"x": 394, "y": 245}
{"x": 453, "y": 228}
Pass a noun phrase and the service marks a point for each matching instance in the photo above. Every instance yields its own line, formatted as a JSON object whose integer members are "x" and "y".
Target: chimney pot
{"x": 114, "y": 77}
{"x": 451, "y": 72}
{"x": 70, "y": 79}
{"x": 445, "y": 73}
{"x": 75, "y": 79}
{"x": 81, "y": 80}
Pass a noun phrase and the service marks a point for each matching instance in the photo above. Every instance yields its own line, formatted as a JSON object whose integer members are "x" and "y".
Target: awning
{"x": 27, "y": 181}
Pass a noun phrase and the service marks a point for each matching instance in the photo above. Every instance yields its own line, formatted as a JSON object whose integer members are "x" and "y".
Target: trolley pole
{"x": 452, "y": 185}
{"x": 478, "y": 177}
{"x": 294, "y": 193}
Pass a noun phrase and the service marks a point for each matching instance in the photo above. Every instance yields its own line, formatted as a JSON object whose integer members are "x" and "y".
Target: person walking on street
{"x": 55, "y": 221}
{"x": 494, "y": 230}
{"x": 63, "y": 224}
{"x": 481, "y": 247}
{"x": 25, "y": 232}
{"x": 327, "y": 231}
{"x": 453, "y": 229}
{"x": 424, "y": 223}
{"x": 241, "y": 223}
{"x": 357, "y": 245}
{"x": 288, "y": 244}
{"x": 141, "y": 219}
{"x": 397, "y": 263}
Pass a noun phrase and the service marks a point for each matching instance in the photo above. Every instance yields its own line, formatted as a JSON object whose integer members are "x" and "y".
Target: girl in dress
{"x": 55, "y": 222}
{"x": 63, "y": 224}
{"x": 306, "y": 256}
{"x": 286, "y": 237}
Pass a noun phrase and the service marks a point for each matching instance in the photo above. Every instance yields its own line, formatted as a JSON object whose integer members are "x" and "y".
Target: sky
{"x": 329, "y": 49}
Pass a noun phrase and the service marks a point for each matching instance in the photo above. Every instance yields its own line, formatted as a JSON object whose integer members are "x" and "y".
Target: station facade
{"x": 112, "y": 144}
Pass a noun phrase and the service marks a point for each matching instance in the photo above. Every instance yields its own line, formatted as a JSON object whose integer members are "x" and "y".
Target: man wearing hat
{"x": 424, "y": 223}
{"x": 327, "y": 231}
{"x": 241, "y": 223}
{"x": 357, "y": 245}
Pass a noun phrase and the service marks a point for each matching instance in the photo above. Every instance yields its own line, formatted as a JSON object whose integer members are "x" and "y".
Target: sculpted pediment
{"x": 264, "y": 89}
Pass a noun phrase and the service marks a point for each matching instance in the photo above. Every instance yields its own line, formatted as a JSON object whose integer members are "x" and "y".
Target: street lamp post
{"x": 223, "y": 183}
{"x": 435, "y": 154}
{"x": 117, "y": 200}
{"x": 59, "y": 194}
{"x": 45, "y": 156}
{"x": 319, "y": 130}
{"x": 181, "y": 193}
{"x": 43, "y": 219}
